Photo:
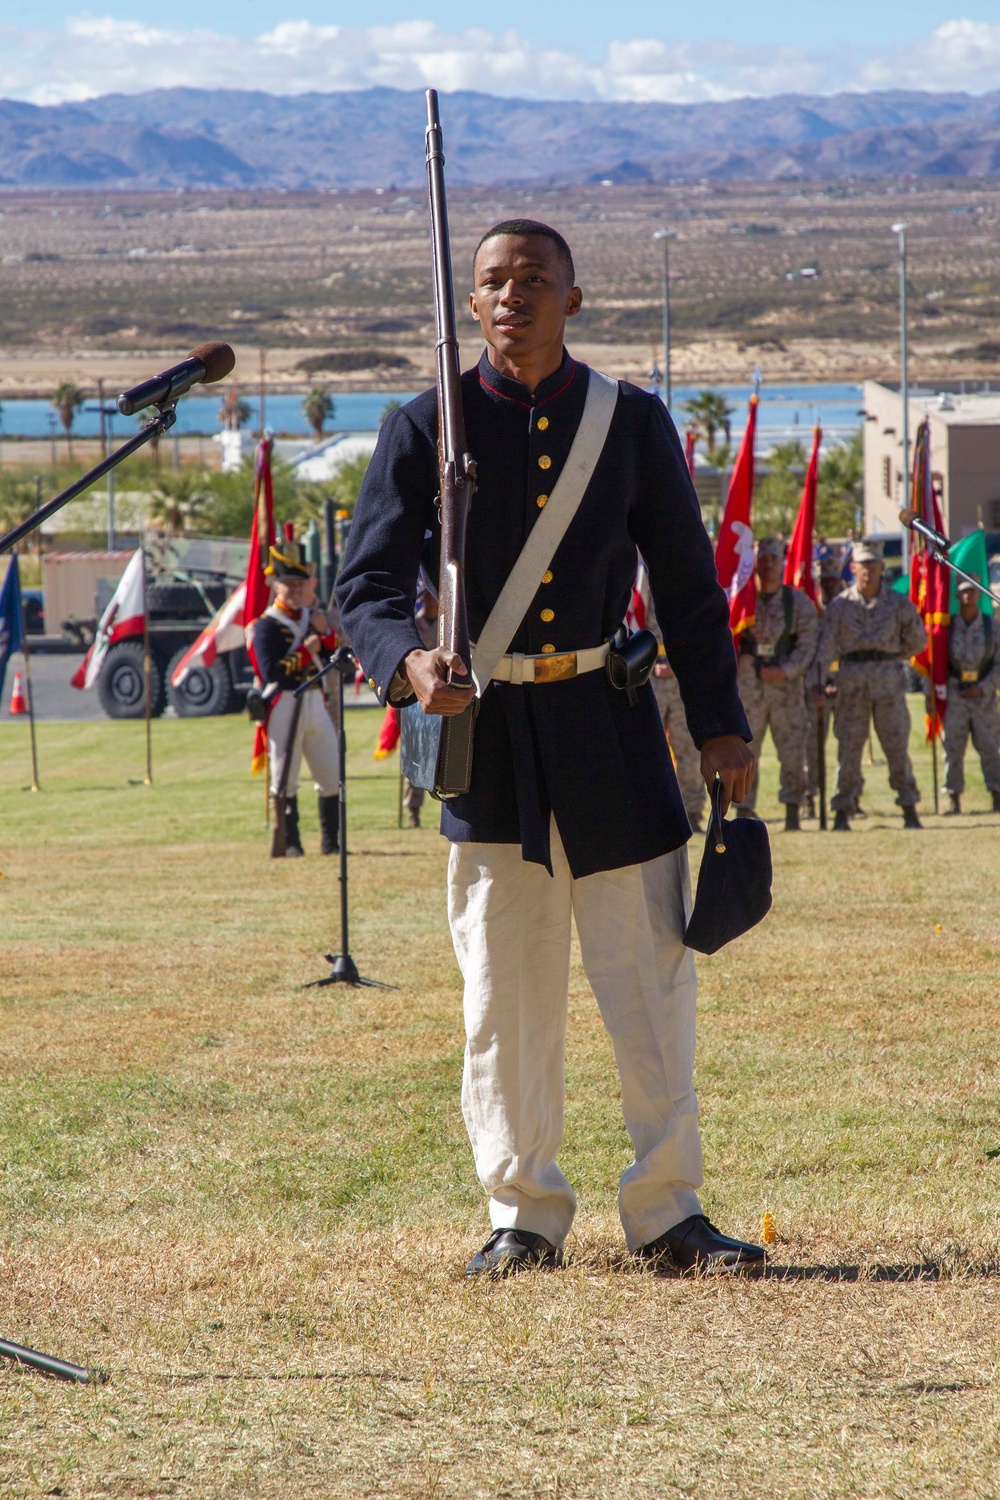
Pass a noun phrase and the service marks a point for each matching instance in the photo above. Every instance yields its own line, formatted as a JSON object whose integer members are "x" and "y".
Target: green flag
{"x": 970, "y": 555}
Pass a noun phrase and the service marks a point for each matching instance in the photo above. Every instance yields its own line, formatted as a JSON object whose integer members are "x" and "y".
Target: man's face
{"x": 292, "y": 591}
{"x": 968, "y": 603}
{"x": 829, "y": 588}
{"x": 522, "y": 295}
{"x": 869, "y": 576}
{"x": 768, "y": 572}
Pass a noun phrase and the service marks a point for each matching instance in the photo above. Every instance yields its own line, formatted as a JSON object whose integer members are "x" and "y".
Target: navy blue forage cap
{"x": 734, "y": 883}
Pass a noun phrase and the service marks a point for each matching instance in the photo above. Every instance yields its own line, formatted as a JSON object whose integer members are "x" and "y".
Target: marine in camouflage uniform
{"x": 774, "y": 656}
{"x": 687, "y": 758}
{"x": 831, "y": 583}
{"x": 973, "y": 678}
{"x": 871, "y": 630}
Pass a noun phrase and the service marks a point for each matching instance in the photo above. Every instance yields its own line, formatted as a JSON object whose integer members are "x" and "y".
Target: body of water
{"x": 786, "y": 411}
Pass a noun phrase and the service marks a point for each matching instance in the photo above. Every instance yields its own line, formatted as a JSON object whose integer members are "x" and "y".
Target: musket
{"x": 436, "y": 752}
{"x": 456, "y": 468}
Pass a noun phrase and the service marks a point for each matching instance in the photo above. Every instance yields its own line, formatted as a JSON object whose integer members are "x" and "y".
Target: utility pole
{"x": 107, "y": 413}
{"x": 666, "y": 235}
{"x": 262, "y": 422}
{"x": 904, "y": 385}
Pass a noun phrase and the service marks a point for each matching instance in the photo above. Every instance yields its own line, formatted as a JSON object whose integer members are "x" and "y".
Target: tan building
{"x": 965, "y": 453}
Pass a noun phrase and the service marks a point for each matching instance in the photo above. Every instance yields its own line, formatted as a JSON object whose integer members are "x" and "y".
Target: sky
{"x": 52, "y": 51}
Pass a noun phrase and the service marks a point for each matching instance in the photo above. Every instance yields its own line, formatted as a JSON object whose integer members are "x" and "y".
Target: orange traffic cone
{"x": 18, "y": 702}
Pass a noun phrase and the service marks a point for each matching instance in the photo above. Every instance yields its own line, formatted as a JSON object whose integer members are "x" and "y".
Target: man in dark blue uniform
{"x": 573, "y": 808}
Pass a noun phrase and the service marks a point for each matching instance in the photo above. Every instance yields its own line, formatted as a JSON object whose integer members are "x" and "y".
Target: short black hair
{"x": 532, "y": 226}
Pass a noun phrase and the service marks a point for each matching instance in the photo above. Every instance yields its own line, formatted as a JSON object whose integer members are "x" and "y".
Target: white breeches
{"x": 315, "y": 738}
{"x": 511, "y": 926}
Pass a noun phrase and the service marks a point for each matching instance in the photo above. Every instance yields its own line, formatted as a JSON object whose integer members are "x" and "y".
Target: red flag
{"x": 930, "y": 586}
{"x": 258, "y": 590}
{"x": 734, "y": 549}
{"x": 388, "y": 735}
{"x": 690, "y": 438}
{"x": 799, "y": 562}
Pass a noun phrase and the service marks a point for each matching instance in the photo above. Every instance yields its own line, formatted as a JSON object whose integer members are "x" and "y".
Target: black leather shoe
{"x": 996, "y": 801}
{"x": 696, "y": 1242}
{"x": 910, "y": 819}
{"x": 954, "y": 808}
{"x": 791, "y": 817}
{"x": 841, "y": 823}
{"x": 508, "y": 1251}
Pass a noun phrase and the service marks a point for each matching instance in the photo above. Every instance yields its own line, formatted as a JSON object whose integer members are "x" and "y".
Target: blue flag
{"x": 11, "y": 636}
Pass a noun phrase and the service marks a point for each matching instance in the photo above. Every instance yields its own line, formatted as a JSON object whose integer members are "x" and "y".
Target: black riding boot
{"x": 910, "y": 819}
{"x": 329, "y": 824}
{"x": 791, "y": 817}
{"x": 841, "y": 823}
{"x": 293, "y": 839}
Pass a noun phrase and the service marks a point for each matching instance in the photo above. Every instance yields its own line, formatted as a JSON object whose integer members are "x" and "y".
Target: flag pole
{"x": 147, "y": 666}
{"x": 31, "y": 713}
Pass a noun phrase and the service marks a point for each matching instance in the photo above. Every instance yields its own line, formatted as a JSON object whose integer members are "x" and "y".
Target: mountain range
{"x": 218, "y": 138}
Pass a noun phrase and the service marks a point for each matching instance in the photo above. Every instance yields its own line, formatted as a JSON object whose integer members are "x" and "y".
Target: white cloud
{"x": 98, "y": 55}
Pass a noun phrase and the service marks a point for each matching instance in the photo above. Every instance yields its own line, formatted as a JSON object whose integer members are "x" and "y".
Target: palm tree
{"x": 840, "y": 498}
{"x": 175, "y": 501}
{"x": 711, "y": 414}
{"x": 234, "y": 412}
{"x": 67, "y": 401}
{"x": 318, "y": 409}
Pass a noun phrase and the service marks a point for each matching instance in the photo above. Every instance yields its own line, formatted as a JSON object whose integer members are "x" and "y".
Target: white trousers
{"x": 511, "y": 926}
{"x": 316, "y": 739}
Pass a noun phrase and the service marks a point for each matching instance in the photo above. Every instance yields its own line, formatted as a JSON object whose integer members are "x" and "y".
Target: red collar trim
{"x": 529, "y": 405}
{"x": 293, "y": 614}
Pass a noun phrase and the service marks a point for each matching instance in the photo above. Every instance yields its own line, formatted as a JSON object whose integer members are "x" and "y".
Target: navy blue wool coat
{"x": 574, "y": 749}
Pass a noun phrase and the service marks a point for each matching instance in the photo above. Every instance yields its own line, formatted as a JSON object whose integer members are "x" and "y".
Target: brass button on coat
{"x": 548, "y": 614}
{"x": 548, "y": 648}
{"x": 542, "y": 501}
{"x": 545, "y": 461}
{"x": 547, "y": 576}
{"x": 542, "y": 424}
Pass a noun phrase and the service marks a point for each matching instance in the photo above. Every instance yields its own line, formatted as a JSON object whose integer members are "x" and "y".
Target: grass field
{"x": 252, "y": 1202}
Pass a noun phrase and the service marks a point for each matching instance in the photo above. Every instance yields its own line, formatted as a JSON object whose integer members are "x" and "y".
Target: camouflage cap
{"x": 867, "y": 550}
{"x": 771, "y": 546}
{"x": 963, "y": 586}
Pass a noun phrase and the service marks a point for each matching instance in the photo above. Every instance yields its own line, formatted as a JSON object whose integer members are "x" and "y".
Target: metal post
{"x": 262, "y": 422}
{"x": 666, "y": 235}
{"x": 904, "y": 385}
{"x": 100, "y": 408}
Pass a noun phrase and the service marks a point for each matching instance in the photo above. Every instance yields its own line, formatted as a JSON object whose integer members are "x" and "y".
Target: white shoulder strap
{"x": 549, "y": 530}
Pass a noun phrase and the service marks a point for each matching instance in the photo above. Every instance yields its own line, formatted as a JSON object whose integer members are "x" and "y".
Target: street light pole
{"x": 904, "y": 387}
{"x": 666, "y": 235}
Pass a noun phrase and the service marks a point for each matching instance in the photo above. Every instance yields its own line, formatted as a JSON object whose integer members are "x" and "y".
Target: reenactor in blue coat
{"x": 573, "y": 808}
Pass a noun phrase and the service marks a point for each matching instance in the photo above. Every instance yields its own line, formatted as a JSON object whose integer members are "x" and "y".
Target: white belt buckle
{"x": 517, "y": 667}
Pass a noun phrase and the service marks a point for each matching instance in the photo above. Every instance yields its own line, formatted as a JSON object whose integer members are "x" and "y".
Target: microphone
{"x": 207, "y": 363}
{"x": 911, "y": 520}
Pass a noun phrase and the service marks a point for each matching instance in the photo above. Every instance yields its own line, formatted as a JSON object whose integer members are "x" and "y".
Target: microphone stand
{"x": 345, "y": 970}
{"x": 939, "y": 544}
{"x": 162, "y": 422}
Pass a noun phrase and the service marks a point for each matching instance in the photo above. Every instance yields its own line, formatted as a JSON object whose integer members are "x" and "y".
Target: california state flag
{"x": 224, "y": 632}
{"x": 124, "y": 616}
{"x": 734, "y": 549}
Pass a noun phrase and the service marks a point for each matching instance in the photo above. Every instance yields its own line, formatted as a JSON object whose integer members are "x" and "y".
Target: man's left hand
{"x": 732, "y": 760}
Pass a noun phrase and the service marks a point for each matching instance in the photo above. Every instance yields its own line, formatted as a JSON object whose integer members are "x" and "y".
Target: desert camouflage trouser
{"x": 982, "y": 718}
{"x": 687, "y": 758}
{"x": 781, "y": 707}
{"x": 872, "y": 693}
{"x": 812, "y": 739}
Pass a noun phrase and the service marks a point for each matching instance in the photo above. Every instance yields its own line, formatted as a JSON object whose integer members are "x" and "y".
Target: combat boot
{"x": 810, "y": 805}
{"x": 841, "y": 822}
{"x": 293, "y": 839}
{"x": 956, "y": 806}
{"x": 791, "y": 817}
{"x": 910, "y": 819}
{"x": 413, "y": 817}
{"x": 996, "y": 801}
{"x": 329, "y": 825}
